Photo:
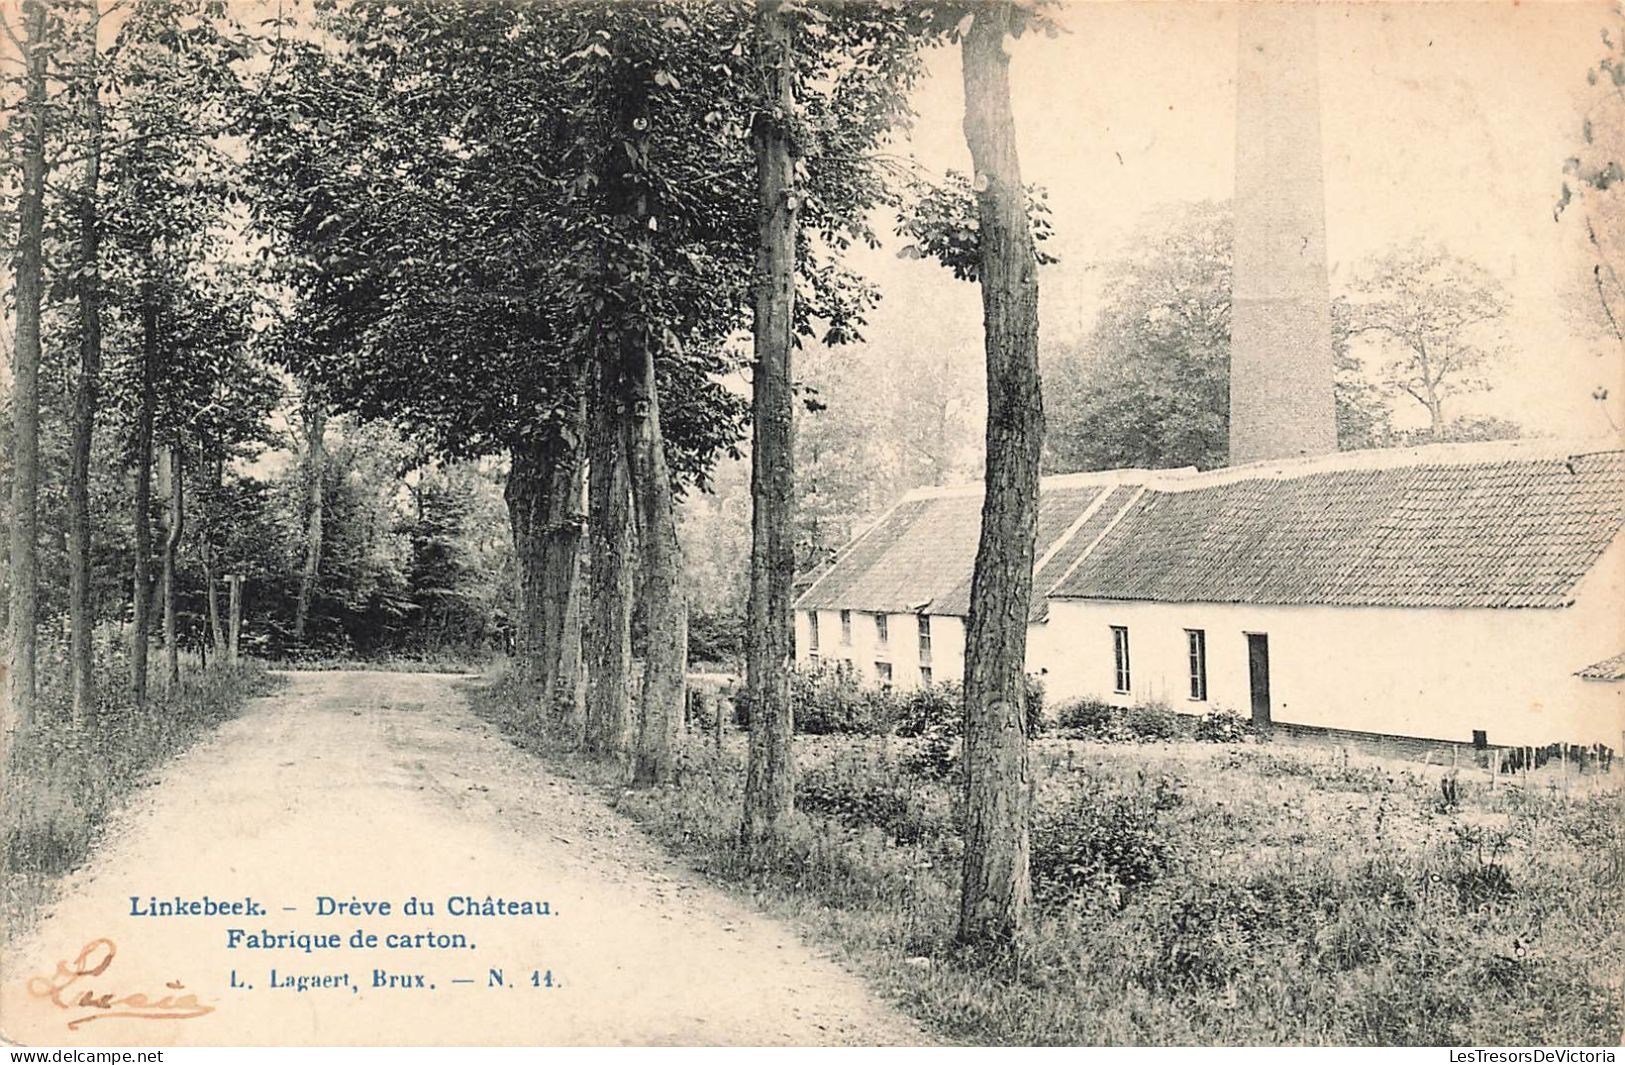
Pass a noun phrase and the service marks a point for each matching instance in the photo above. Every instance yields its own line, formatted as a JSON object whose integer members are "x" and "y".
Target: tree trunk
{"x": 315, "y": 416}
{"x": 627, "y": 336}
{"x": 217, "y": 633}
{"x": 609, "y": 645}
{"x": 141, "y": 592}
{"x": 770, "y": 772}
{"x": 81, "y": 609}
{"x": 211, "y": 581}
{"x": 665, "y": 655}
{"x": 544, "y": 497}
{"x": 174, "y": 467}
{"x": 25, "y": 385}
{"x": 995, "y": 888}
{"x": 235, "y": 623}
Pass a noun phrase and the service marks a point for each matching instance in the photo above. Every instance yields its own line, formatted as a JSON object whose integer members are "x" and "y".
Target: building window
{"x": 846, "y": 628}
{"x": 925, "y": 676}
{"x": 1120, "y": 654}
{"x": 925, "y": 637}
{"x": 880, "y": 629}
{"x": 1196, "y": 651}
{"x": 812, "y": 633}
{"x": 883, "y": 674}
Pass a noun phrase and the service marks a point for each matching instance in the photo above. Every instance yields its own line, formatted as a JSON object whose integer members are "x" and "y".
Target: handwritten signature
{"x": 92, "y": 961}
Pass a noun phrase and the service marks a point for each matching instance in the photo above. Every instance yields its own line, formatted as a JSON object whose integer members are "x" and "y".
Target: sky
{"x": 1447, "y": 122}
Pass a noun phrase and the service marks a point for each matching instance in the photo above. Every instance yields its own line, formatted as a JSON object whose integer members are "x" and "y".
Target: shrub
{"x": 1087, "y": 717}
{"x": 1035, "y": 706}
{"x": 936, "y": 717}
{"x": 827, "y": 700}
{"x": 1152, "y": 723}
{"x": 1222, "y": 725}
{"x": 1096, "y": 719}
{"x": 856, "y": 798}
{"x": 1097, "y": 843}
{"x": 931, "y": 708}
{"x": 936, "y": 756}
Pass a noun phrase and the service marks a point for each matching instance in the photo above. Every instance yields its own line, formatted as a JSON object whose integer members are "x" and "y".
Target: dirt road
{"x": 378, "y": 787}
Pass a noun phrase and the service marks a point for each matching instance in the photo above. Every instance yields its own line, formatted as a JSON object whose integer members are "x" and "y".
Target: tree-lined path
{"x": 380, "y": 785}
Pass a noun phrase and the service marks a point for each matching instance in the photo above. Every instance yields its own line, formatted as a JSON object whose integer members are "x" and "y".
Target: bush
{"x": 1087, "y": 717}
{"x": 1153, "y": 723}
{"x": 1097, "y": 844}
{"x": 1035, "y": 706}
{"x": 1096, "y": 719}
{"x": 936, "y": 717}
{"x": 827, "y": 700}
{"x": 716, "y": 638}
{"x": 932, "y": 708}
{"x": 1222, "y": 725}
{"x": 858, "y": 799}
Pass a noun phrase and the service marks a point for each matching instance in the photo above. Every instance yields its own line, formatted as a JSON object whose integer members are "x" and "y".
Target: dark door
{"x": 1258, "y": 675}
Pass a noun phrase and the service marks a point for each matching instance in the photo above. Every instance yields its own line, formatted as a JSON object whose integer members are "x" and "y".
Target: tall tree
{"x": 665, "y": 604}
{"x": 1438, "y": 318}
{"x": 81, "y": 606}
{"x": 141, "y": 509}
{"x": 433, "y": 246}
{"x": 609, "y": 646}
{"x": 544, "y": 507}
{"x": 769, "y": 635}
{"x": 25, "y": 397}
{"x": 172, "y": 475}
{"x": 313, "y": 417}
{"x": 172, "y": 88}
{"x": 628, "y": 259}
{"x": 995, "y": 886}
{"x": 1150, "y": 384}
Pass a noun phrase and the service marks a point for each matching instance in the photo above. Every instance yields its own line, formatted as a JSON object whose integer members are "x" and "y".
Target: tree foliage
{"x": 1150, "y": 387}
{"x": 1595, "y": 177}
{"x": 1437, "y": 319}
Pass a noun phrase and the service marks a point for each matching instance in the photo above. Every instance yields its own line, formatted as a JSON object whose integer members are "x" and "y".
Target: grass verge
{"x": 1187, "y": 893}
{"x": 383, "y": 664}
{"x": 63, "y": 782}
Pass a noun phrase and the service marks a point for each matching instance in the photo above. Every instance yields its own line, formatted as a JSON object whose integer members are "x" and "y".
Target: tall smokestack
{"x": 1281, "y": 401}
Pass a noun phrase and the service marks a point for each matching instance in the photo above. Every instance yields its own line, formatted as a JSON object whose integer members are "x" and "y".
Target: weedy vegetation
{"x": 64, "y": 781}
{"x": 1188, "y": 891}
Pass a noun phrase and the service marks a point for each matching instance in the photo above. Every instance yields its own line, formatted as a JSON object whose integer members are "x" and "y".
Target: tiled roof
{"x": 1083, "y": 538}
{"x": 922, "y": 552}
{"x": 1482, "y": 525}
{"x": 1517, "y": 530}
{"x": 1608, "y": 669}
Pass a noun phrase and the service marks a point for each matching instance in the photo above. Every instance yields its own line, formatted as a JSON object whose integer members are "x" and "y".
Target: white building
{"x": 892, "y": 605}
{"x": 1457, "y": 592}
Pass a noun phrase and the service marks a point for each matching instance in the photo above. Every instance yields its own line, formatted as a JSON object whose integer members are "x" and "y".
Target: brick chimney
{"x": 1281, "y": 403}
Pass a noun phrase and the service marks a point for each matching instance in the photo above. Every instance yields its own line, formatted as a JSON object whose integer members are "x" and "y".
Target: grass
{"x": 1187, "y": 893}
{"x": 64, "y": 782}
{"x": 426, "y": 663}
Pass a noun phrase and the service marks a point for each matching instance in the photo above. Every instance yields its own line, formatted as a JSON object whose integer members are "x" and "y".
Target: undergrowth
{"x": 1185, "y": 894}
{"x": 63, "y": 781}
